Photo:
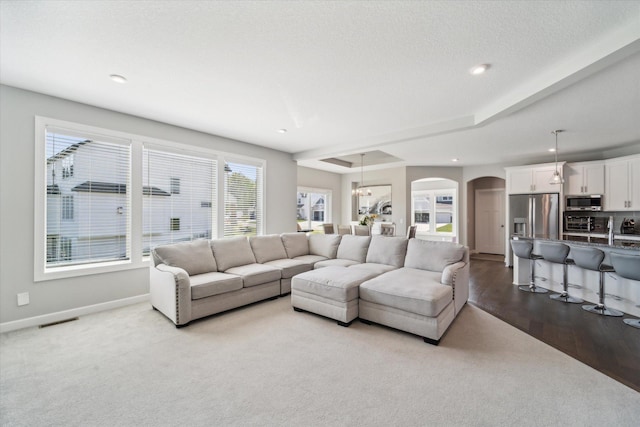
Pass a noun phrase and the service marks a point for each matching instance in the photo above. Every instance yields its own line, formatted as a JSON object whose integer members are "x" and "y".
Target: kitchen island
{"x": 620, "y": 293}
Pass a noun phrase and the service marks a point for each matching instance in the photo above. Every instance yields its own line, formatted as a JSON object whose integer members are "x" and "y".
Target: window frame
{"x": 136, "y": 258}
{"x": 434, "y": 194}
{"x": 328, "y": 204}
{"x": 225, "y": 158}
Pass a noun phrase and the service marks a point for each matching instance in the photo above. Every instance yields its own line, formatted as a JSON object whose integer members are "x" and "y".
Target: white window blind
{"x": 178, "y": 197}
{"x": 87, "y": 198}
{"x": 243, "y": 199}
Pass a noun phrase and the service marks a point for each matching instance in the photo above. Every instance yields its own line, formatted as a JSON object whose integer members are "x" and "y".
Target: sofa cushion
{"x": 432, "y": 256}
{"x": 232, "y": 252}
{"x": 413, "y": 290}
{"x": 289, "y": 267}
{"x": 209, "y": 284}
{"x": 387, "y": 250}
{"x": 267, "y": 248}
{"x": 255, "y": 274}
{"x": 296, "y": 244}
{"x": 334, "y": 283}
{"x": 310, "y": 259}
{"x": 325, "y": 245}
{"x": 335, "y": 262}
{"x": 374, "y": 267}
{"x": 353, "y": 248}
{"x": 193, "y": 257}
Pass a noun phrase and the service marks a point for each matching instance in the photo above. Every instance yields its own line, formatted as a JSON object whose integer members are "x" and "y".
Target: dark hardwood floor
{"x": 604, "y": 343}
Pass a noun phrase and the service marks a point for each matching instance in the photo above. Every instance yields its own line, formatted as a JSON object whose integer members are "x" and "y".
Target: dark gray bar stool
{"x": 591, "y": 259}
{"x": 627, "y": 266}
{"x": 524, "y": 249}
{"x": 558, "y": 253}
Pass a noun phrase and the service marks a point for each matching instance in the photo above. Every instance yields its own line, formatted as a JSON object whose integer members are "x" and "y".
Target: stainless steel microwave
{"x": 584, "y": 203}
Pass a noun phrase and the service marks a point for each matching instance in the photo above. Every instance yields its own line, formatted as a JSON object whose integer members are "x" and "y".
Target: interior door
{"x": 490, "y": 221}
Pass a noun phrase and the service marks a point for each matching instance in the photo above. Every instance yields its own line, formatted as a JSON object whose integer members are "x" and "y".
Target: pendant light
{"x": 556, "y": 178}
{"x": 361, "y": 191}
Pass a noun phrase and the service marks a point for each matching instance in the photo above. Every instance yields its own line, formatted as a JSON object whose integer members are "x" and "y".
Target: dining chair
{"x": 344, "y": 229}
{"x": 411, "y": 231}
{"x": 388, "y": 229}
{"x": 362, "y": 230}
{"x": 328, "y": 228}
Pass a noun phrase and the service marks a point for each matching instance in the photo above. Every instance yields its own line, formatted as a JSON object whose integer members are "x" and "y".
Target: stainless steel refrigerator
{"x": 534, "y": 215}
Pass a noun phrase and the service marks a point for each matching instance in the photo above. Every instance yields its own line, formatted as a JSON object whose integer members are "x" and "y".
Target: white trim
{"x": 67, "y": 314}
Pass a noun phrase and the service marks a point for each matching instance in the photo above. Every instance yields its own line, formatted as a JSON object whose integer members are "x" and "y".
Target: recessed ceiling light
{"x": 454, "y": 160}
{"x": 479, "y": 69}
{"x": 282, "y": 130}
{"x": 552, "y": 149}
{"x": 118, "y": 78}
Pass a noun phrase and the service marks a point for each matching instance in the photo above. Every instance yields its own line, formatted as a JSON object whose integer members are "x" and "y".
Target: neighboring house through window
{"x": 105, "y": 198}
{"x": 313, "y": 208}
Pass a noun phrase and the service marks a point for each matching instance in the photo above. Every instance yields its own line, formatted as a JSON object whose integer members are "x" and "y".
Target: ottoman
{"x": 329, "y": 291}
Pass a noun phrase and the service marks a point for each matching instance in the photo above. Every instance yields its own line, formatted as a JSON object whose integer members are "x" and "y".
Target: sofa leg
{"x": 346, "y": 325}
{"x": 182, "y": 326}
{"x": 365, "y": 321}
{"x": 299, "y": 310}
{"x": 430, "y": 341}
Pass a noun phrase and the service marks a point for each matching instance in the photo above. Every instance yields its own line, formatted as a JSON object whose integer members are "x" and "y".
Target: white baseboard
{"x": 67, "y": 314}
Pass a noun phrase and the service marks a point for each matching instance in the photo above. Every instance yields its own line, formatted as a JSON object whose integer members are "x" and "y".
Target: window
{"x": 172, "y": 207}
{"x": 175, "y": 185}
{"x": 67, "y": 207}
{"x": 242, "y": 199}
{"x": 82, "y": 223}
{"x": 314, "y": 208}
{"x": 104, "y": 198}
{"x": 434, "y": 218}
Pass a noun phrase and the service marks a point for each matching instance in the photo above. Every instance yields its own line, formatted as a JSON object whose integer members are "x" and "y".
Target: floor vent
{"x": 58, "y": 322}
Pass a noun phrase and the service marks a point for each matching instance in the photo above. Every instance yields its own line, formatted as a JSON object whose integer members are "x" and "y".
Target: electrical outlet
{"x": 23, "y": 298}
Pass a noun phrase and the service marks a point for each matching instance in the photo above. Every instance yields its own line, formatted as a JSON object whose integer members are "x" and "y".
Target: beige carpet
{"x": 268, "y": 365}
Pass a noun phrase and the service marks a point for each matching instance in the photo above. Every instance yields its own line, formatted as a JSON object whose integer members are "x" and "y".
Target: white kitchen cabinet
{"x": 532, "y": 179}
{"x": 584, "y": 178}
{"x": 622, "y": 184}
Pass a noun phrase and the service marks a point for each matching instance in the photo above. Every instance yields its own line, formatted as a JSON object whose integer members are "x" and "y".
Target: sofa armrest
{"x": 457, "y": 276}
{"x": 170, "y": 290}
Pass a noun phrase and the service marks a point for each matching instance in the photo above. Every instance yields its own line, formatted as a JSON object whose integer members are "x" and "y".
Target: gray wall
{"x": 17, "y": 111}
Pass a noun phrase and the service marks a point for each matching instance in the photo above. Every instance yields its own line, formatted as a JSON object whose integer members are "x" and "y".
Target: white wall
{"x": 17, "y": 150}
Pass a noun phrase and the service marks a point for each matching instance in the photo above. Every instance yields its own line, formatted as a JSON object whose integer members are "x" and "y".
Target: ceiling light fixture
{"x": 556, "y": 178}
{"x": 283, "y": 130}
{"x": 479, "y": 69}
{"x": 454, "y": 160}
{"x": 118, "y": 78}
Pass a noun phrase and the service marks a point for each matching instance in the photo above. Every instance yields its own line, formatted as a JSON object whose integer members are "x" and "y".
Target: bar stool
{"x": 627, "y": 266}
{"x": 557, "y": 253}
{"x": 591, "y": 259}
{"x": 524, "y": 249}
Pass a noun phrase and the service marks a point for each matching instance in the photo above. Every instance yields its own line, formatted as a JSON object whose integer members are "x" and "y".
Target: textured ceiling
{"x": 346, "y": 76}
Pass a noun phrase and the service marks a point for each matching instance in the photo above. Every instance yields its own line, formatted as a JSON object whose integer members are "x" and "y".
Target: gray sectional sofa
{"x": 412, "y": 285}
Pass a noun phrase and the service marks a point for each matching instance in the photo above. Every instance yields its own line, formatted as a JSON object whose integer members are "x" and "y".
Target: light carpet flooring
{"x": 268, "y": 365}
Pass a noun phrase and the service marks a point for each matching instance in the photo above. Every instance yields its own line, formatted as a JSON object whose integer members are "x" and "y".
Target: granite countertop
{"x": 616, "y": 244}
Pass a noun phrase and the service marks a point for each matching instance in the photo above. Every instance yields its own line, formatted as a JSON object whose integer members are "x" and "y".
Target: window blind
{"x": 87, "y": 198}
{"x": 243, "y": 199}
{"x": 178, "y": 197}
